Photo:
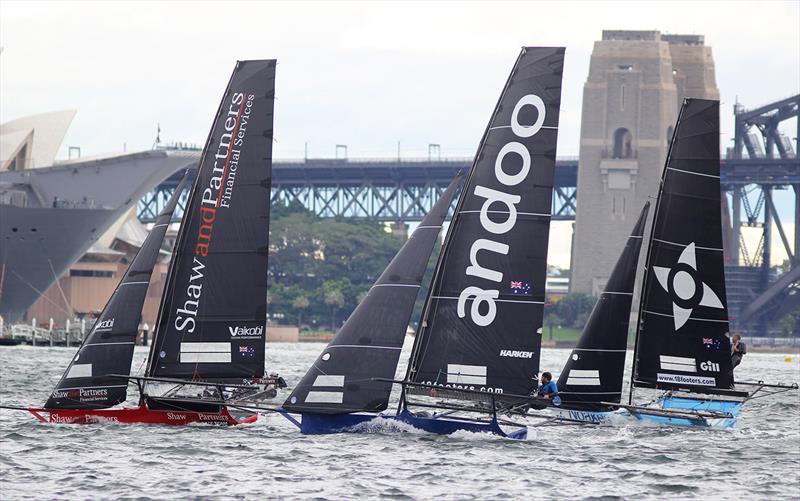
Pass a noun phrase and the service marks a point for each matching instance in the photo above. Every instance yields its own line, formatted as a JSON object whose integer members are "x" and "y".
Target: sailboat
{"x": 682, "y": 347}
{"x": 342, "y": 389}
{"x": 592, "y": 378}
{"x": 208, "y": 347}
{"x": 480, "y": 330}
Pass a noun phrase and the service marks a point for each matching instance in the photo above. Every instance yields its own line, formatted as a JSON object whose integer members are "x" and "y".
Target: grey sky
{"x": 362, "y": 74}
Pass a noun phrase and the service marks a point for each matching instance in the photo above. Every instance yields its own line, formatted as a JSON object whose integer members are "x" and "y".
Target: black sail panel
{"x": 108, "y": 348}
{"x": 682, "y": 337}
{"x": 481, "y": 327}
{"x": 593, "y": 372}
{"x": 368, "y": 345}
{"x": 212, "y": 320}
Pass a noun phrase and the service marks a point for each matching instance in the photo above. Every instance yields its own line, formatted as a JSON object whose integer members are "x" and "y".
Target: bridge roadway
{"x": 403, "y": 191}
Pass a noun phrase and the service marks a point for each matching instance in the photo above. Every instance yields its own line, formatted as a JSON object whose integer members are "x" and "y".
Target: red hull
{"x": 141, "y": 414}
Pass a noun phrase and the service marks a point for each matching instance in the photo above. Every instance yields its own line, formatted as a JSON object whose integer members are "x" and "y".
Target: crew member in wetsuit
{"x": 549, "y": 389}
{"x": 738, "y": 350}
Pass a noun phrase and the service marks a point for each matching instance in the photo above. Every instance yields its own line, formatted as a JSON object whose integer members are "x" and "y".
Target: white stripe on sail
{"x": 324, "y": 397}
{"x": 680, "y": 364}
{"x": 208, "y": 358}
{"x": 579, "y": 377}
{"x": 329, "y": 381}
{"x": 466, "y": 374}
{"x": 677, "y": 360}
{"x": 583, "y": 381}
{"x": 80, "y": 370}
{"x": 221, "y": 347}
{"x": 677, "y": 367}
{"x": 584, "y": 373}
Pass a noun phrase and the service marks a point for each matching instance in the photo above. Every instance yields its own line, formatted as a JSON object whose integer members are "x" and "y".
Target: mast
{"x": 212, "y": 320}
{"x": 482, "y": 321}
{"x": 682, "y": 337}
{"x": 418, "y": 339}
{"x": 645, "y": 277}
{"x": 367, "y": 347}
{"x": 108, "y": 348}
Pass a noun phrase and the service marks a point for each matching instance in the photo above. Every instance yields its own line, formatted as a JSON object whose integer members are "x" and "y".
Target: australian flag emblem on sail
{"x": 520, "y": 288}
{"x": 247, "y": 351}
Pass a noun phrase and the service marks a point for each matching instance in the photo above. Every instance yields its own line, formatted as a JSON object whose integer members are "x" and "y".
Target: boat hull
{"x": 318, "y": 424}
{"x": 690, "y": 404}
{"x": 323, "y": 424}
{"x": 583, "y": 416}
{"x": 449, "y": 425}
{"x": 137, "y": 415}
{"x": 66, "y": 209}
{"x": 658, "y": 413}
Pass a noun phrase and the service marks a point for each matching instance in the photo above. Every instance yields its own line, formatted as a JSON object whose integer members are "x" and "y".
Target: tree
{"x": 552, "y": 320}
{"x": 574, "y": 309}
{"x": 307, "y": 251}
{"x": 300, "y": 303}
{"x": 333, "y": 296}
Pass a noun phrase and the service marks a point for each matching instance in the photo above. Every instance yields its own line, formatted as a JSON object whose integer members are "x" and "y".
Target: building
{"x": 636, "y": 82}
{"x": 83, "y": 290}
{"x": 52, "y": 212}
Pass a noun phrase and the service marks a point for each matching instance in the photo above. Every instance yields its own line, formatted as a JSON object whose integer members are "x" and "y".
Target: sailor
{"x": 549, "y": 389}
{"x": 738, "y": 350}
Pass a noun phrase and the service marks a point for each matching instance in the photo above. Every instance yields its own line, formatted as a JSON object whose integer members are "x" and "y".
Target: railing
{"x": 794, "y": 342}
{"x": 43, "y": 337}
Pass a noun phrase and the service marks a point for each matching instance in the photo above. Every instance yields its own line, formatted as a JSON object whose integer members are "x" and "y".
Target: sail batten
{"x": 682, "y": 337}
{"x": 216, "y": 287}
{"x": 484, "y": 309}
{"x": 108, "y": 348}
{"x": 345, "y": 376}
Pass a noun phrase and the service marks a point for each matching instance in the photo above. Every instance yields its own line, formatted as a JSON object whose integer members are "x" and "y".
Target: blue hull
{"x": 691, "y": 404}
{"x": 584, "y": 416}
{"x": 321, "y": 424}
{"x": 448, "y": 426}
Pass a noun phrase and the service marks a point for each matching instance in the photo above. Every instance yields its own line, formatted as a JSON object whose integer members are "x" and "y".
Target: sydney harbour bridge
{"x": 401, "y": 191}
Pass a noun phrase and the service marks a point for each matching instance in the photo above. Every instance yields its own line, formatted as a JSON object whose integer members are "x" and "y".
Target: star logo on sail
{"x": 685, "y": 287}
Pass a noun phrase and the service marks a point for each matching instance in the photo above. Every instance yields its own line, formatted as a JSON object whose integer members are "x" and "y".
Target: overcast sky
{"x": 363, "y": 74}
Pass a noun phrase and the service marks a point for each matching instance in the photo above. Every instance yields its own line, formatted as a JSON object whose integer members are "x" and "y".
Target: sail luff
{"x": 594, "y": 370}
{"x": 212, "y": 323}
{"x": 416, "y": 349}
{"x": 367, "y": 347}
{"x": 683, "y": 339}
{"x": 178, "y": 248}
{"x": 482, "y": 324}
{"x": 108, "y": 347}
{"x": 647, "y": 263}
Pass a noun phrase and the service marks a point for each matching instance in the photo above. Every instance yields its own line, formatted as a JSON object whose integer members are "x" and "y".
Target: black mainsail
{"x": 108, "y": 348}
{"x": 682, "y": 338}
{"x": 594, "y": 371}
{"x": 343, "y": 379}
{"x": 481, "y": 326}
{"x": 212, "y": 319}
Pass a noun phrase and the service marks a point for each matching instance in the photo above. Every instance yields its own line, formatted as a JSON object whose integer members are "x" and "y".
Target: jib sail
{"x": 108, "y": 348}
{"x": 481, "y": 327}
{"x": 212, "y": 319}
{"x": 593, "y": 373}
{"x": 368, "y": 345}
{"x": 682, "y": 334}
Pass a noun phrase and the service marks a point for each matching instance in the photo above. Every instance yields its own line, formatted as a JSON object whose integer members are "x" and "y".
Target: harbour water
{"x": 760, "y": 459}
